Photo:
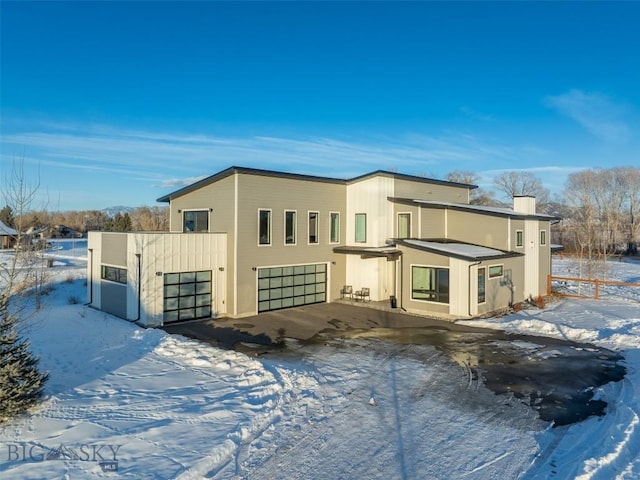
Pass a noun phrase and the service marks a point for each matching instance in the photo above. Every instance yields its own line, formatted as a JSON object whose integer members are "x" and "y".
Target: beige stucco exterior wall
{"x": 279, "y": 194}
{"x": 430, "y": 191}
{"x": 432, "y": 223}
{"x": 486, "y": 230}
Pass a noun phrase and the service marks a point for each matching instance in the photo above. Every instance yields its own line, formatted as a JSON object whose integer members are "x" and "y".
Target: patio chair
{"x": 363, "y": 294}
{"x": 346, "y": 290}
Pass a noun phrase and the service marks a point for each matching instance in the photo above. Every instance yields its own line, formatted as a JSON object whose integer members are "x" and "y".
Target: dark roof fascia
{"x": 248, "y": 171}
{"x": 412, "y": 178}
{"x": 472, "y": 209}
{"x": 457, "y": 255}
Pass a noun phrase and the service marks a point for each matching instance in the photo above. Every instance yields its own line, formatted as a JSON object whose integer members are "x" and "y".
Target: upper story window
{"x": 334, "y": 227}
{"x": 519, "y": 238}
{"x": 543, "y": 238}
{"x": 404, "y": 225}
{"x": 290, "y": 227}
{"x": 264, "y": 227}
{"x": 361, "y": 227}
{"x": 314, "y": 236}
{"x": 195, "y": 220}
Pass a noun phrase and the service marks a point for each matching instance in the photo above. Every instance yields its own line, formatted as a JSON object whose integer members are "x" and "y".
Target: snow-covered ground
{"x": 153, "y": 405}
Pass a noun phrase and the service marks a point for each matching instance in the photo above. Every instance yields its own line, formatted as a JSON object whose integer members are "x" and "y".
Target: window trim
{"x": 119, "y": 270}
{"x": 331, "y": 240}
{"x": 269, "y": 228}
{"x": 438, "y": 293}
{"x": 187, "y": 210}
{"x": 295, "y": 228}
{"x": 543, "y": 237}
{"x": 317, "y": 225}
{"x": 363, "y": 215}
{"x": 409, "y": 214}
{"x": 499, "y": 265}
{"x": 521, "y": 234}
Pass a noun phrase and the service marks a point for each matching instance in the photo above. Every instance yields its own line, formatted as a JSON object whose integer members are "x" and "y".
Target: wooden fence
{"x": 589, "y": 281}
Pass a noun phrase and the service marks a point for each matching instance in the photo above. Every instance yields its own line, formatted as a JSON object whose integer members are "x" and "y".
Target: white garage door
{"x": 291, "y": 286}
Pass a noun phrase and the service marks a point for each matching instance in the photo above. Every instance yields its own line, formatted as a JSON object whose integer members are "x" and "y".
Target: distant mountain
{"x": 111, "y": 211}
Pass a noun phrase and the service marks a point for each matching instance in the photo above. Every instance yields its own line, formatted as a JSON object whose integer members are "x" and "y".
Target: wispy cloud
{"x": 598, "y": 114}
{"x": 169, "y": 160}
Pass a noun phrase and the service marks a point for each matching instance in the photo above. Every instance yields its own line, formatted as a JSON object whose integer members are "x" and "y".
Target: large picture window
{"x": 430, "y": 284}
{"x": 195, "y": 221}
{"x": 313, "y": 227}
{"x": 187, "y": 295}
{"x": 290, "y": 227}
{"x": 264, "y": 227}
{"x": 361, "y": 227}
{"x": 404, "y": 225}
{"x": 335, "y": 228}
{"x": 114, "y": 274}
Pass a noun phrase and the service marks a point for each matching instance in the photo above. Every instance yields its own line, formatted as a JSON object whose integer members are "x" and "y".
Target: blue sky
{"x": 118, "y": 103}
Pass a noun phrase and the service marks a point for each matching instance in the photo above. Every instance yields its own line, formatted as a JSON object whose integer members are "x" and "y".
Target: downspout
{"x": 402, "y": 282}
{"x": 469, "y": 279}
{"x": 138, "y": 255}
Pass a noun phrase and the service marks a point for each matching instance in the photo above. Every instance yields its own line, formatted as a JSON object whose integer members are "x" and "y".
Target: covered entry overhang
{"x": 388, "y": 252}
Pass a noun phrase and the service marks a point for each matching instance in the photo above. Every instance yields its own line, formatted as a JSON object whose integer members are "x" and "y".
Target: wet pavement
{"x": 558, "y": 378}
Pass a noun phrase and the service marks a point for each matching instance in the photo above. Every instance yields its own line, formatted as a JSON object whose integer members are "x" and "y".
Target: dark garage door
{"x": 187, "y": 296}
{"x": 291, "y": 286}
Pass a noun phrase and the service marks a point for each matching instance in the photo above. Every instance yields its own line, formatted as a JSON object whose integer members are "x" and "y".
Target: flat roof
{"x": 297, "y": 176}
{"x": 481, "y": 209}
{"x": 461, "y": 250}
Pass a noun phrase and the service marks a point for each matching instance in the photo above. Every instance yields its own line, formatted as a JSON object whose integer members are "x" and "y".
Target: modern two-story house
{"x": 245, "y": 241}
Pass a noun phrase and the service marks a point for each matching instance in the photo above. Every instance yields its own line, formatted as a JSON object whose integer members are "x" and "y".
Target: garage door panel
{"x": 289, "y": 286}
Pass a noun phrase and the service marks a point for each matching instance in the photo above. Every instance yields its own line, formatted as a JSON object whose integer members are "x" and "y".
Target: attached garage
{"x": 291, "y": 286}
{"x": 157, "y": 278}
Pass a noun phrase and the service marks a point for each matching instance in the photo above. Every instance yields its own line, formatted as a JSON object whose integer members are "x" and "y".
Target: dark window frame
{"x": 264, "y": 236}
{"x": 113, "y": 274}
{"x": 437, "y": 291}
{"x": 196, "y": 221}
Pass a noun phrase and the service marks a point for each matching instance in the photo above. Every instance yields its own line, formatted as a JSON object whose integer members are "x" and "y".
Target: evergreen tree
{"x": 6, "y": 216}
{"x": 21, "y": 382}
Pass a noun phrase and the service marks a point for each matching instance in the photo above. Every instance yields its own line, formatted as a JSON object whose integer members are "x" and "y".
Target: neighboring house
{"x": 245, "y": 241}
{"x": 8, "y": 236}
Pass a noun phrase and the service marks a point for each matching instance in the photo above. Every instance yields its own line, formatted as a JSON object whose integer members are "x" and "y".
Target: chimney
{"x": 524, "y": 204}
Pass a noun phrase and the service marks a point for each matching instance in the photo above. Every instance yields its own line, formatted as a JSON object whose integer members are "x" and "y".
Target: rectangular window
{"x": 264, "y": 227}
{"x": 496, "y": 271}
{"x": 313, "y": 227}
{"x": 114, "y": 274}
{"x": 430, "y": 284}
{"x": 361, "y": 227}
{"x": 290, "y": 227}
{"x": 404, "y": 225}
{"x": 335, "y": 228}
{"x": 482, "y": 284}
{"x": 543, "y": 238}
{"x": 519, "y": 238}
{"x": 195, "y": 221}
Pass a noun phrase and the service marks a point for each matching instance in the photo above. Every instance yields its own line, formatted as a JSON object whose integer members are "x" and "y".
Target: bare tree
{"x": 477, "y": 196}
{"x": 520, "y": 183}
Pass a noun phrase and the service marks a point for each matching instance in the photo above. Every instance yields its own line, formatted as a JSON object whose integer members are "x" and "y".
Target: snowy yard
{"x": 125, "y": 402}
